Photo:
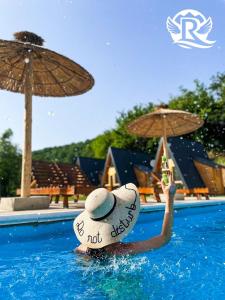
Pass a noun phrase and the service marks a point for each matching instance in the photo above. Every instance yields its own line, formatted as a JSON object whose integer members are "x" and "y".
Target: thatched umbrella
{"x": 165, "y": 122}
{"x": 26, "y": 67}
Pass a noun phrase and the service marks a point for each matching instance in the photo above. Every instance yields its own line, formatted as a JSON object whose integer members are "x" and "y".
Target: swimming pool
{"x": 36, "y": 262}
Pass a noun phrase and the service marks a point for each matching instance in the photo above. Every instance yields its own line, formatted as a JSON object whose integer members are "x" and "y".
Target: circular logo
{"x": 189, "y": 28}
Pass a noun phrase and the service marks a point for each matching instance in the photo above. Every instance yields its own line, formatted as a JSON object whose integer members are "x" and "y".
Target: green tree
{"x": 202, "y": 101}
{"x": 217, "y": 87}
{"x": 66, "y": 153}
{"x": 10, "y": 165}
{"x": 122, "y": 139}
{"x": 101, "y": 143}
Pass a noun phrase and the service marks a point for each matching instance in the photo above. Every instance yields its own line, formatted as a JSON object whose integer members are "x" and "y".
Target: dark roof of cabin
{"x": 184, "y": 152}
{"x": 124, "y": 162}
{"x": 92, "y": 167}
{"x": 145, "y": 169}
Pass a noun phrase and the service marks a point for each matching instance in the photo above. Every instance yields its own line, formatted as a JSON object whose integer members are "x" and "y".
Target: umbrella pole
{"x": 165, "y": 178}
{"x": 165, "y": 149}
{"x": 27, "y": 154}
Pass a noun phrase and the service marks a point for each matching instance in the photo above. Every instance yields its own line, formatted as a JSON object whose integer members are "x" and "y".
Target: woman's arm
{"x": 167, "y": 225}
{"x": 157, "y": 241}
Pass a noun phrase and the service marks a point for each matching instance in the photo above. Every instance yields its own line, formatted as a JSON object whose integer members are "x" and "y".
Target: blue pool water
{"x": 36, "y": 262}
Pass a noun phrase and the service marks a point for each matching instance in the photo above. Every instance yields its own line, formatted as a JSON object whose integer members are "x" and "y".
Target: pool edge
{"x": 47, "y": 217}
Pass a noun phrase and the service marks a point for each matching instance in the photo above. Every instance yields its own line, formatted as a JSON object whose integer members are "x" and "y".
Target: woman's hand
{"x": 170, "y": 189}
{"x": 169, "y": 192}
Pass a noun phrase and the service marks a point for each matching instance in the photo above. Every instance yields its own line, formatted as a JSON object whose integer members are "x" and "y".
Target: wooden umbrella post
{"x": 27, "y": 154}
{"x": 165, "y": 150}
{"x": 165, "y": 154}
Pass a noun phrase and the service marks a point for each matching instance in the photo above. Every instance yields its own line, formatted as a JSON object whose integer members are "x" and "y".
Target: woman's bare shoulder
{"x": 135, "y": 247}
{"x": 117, "y": 249}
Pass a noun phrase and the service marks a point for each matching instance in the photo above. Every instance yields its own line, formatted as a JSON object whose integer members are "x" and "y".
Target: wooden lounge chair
{"x": 155, "y": 191}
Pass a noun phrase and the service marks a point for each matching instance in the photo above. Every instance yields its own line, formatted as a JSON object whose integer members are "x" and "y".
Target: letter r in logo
{"x": 188, "y": 26}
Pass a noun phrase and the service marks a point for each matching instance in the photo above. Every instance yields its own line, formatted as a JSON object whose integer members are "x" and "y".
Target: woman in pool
{"x": 109, "y": 216}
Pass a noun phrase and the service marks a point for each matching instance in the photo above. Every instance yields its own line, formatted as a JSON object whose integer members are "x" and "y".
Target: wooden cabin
{"x": 125, "y": 166}
{"x": 191, "y": 166}
{"x": 93, "y": 169}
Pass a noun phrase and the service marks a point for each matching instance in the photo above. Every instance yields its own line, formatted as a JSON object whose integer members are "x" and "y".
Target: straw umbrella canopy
{"x": 163, "y": 123}
{"x": 28, "y": 68}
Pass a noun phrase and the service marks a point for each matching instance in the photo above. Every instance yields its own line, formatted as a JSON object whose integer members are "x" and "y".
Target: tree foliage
{"x": 66, "y": 153}
{"x": 209, "y": 105}
{"x": 10, "y": 165}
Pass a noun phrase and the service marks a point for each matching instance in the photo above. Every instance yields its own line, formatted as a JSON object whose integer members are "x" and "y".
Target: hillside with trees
{"x": 207, "y": 102}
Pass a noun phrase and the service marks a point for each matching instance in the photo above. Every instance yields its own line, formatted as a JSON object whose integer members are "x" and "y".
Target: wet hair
{"x": 96, "y": 253}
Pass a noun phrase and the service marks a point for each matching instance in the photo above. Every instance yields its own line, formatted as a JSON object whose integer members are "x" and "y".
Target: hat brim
{"x": 112, "y": 229}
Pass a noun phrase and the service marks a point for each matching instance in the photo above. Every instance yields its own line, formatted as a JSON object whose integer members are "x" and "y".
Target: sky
{"x": 124, "y": 44}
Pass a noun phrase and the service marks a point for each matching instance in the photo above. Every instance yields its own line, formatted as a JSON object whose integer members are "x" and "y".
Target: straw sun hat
{"x": 108, "y": 216}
